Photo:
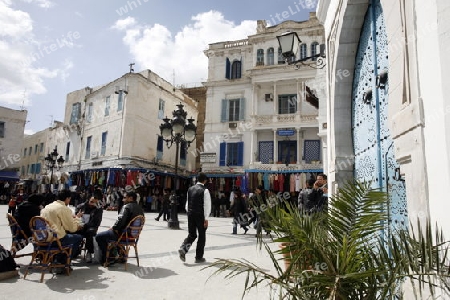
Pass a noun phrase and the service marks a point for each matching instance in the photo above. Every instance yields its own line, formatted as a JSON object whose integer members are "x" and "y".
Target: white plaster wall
{"x": 31, "y": 141}
{"x": 12, "y": 141}
{"x": 132, "y": 132}
{"x": 436, "y": 108}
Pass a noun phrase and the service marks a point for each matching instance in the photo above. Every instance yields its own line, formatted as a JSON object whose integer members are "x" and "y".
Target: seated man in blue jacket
{"x": 130, "y": 210}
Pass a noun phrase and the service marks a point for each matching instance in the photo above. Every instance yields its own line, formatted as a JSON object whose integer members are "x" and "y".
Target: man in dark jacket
{"x": 318, "y": 198}
{"x": 91, "y": 212}
{"x": 28, "y": 209}
{"x": 198, "y": 208}
{"x": 130, "y": 210}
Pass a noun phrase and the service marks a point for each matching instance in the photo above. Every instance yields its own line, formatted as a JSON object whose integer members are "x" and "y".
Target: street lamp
{"x": 52, "y": 161}
{"x": 176, "y": 130}
{"x": 290, "y": 43}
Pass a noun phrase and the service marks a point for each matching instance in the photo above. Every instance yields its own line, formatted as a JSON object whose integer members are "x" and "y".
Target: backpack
{"x": 7, "y": 262}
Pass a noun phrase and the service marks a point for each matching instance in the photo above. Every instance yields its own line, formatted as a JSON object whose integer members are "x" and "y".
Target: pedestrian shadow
{"x": 148, "y": 272}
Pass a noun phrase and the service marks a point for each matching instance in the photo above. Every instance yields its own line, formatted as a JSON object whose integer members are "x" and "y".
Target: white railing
{"x": 238, "y": 43}
{"x": 283, "y": 119}
{"x": 282, "y": 167}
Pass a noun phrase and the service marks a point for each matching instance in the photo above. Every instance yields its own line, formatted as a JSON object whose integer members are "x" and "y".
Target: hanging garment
{"x": 297, "y": 182}
{"x": 281, "y": 182}
{"x": 266, "y": 181}
{"x": 260, "y": 178}
{"x": 292, "y": 183}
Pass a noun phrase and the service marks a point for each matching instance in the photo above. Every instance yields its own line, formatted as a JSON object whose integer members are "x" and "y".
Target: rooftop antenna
{"x": 51, "y": 120}
{"x": 131, "y": 67}
{"x": 173, "y": 79}
{"x": 22, "y": 107}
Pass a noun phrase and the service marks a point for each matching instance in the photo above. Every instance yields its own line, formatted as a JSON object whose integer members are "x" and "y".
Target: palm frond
{"x": 346, "y": 253}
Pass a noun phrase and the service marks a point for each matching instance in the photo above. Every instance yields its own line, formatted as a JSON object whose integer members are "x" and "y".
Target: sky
{"x": 49, "y": 48}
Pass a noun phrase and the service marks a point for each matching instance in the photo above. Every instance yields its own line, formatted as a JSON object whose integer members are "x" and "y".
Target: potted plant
{"x": 345, "y": 254}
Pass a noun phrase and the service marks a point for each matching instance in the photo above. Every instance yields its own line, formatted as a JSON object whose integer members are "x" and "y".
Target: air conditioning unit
{"x": 94, "y": 154}
{"x": 232, "y": 125}
{"x": 268, "y": 97}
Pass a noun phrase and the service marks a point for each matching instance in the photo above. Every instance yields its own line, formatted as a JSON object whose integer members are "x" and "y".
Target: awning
{"x": 9, "y": 176}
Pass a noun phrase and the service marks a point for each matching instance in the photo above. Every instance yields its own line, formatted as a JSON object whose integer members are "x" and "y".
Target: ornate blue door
{"x": 372, "y": 142}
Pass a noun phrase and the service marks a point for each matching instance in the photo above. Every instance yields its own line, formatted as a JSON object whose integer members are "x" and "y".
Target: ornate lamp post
{"x": 176, "y": 130}
{"x": 290, "y": 44}
{"x": 52, "y": 161}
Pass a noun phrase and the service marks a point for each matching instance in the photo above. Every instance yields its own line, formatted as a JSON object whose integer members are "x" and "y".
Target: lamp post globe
{"x": 53, "y": 162}
{"x": 177, "y": 131}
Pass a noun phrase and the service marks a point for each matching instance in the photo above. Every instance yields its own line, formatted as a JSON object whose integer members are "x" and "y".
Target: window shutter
{"x": 241, "y": 109}
{"x": 224, "y": 111}
{"x": 227, "y": 69}
{"x": 222, "y": 154}
{"x": 240, "y": 149}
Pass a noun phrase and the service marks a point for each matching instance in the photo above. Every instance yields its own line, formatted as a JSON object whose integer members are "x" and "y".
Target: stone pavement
{"x": 161, "y": 275}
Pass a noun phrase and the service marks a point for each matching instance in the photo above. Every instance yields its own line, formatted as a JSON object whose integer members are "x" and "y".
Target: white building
{"x": 115, "y": 127}
{"x": 402, "y": 46}
{"x": 262, "y": 115}
{"x": 12, "y": 125}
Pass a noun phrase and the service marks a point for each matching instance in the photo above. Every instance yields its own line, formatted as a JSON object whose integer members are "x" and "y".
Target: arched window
{"x": 236, "y": 69}
{"x": 280, "y": 57}
{"x": 270, "y": 58}
{"x": 260, "y": 57}
{"x": 303, "y": 50}
{"x": 314, "y": 49}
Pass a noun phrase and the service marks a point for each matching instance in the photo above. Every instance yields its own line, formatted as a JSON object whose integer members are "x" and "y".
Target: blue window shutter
{"x": 222, "y": 154}
{"x": 228, "y": 69}
{"x": 224, "y": 111}
{"x": 240, "y": 149}
{"x": 241, "y": 109}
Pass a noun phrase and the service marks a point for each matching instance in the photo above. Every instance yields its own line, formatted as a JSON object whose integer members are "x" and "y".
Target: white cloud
{"x": 19, "y": 78}
{"x": 29, "y": 132}
{"x": 41, "y": 3}
{"x": 64, "y": 71}
{"x": 123, "y": 24}
{"x": 154, "y": 47}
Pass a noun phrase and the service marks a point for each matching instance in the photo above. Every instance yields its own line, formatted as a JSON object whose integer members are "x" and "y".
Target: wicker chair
{"x": 46, "y": 246}
{"x": 127, "y": 239}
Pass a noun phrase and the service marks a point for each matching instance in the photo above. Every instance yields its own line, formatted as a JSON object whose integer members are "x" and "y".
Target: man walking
{"x": 198, "y": 208}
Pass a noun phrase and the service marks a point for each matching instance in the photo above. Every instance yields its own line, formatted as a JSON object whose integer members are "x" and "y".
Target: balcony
{"x": 314, "y": 165}
{"x": 285, "y": 119}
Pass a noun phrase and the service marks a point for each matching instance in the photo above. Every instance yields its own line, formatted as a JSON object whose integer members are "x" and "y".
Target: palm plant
{"x": 345, "y": 253}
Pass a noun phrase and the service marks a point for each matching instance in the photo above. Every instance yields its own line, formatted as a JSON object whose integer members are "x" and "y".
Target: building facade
{"x": 405, "y": 84}
{"x": 12, "y": 125}
{"x": 262, "y": 115}
{"x": 111, "y": 137}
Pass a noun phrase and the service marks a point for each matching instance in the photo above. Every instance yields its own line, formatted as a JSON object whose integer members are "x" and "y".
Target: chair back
{"x": 43, "y": 233}
{"x": 16, "y": 231}
{"x": 133, "y": 230}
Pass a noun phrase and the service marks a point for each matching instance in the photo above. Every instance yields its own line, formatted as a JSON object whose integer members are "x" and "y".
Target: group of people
{"x": 72, "y": 227}
{"x": 314, "y": 198}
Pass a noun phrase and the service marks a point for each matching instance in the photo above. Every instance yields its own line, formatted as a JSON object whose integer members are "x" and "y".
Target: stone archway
{"x": 343, "y": 44}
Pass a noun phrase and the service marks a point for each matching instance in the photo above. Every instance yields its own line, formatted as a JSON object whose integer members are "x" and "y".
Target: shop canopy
{"x": 9, "y": 176}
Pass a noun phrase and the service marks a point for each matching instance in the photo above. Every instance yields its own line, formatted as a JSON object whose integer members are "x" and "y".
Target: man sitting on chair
{"x": 91, "y": 212}
{"x": 130, "y": 210}
{"x": 62, "y": 219}
{"x": 28, "y": 209}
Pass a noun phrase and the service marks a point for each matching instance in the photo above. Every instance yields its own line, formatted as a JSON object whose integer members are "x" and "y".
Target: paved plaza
{"x": 161, "y": 275}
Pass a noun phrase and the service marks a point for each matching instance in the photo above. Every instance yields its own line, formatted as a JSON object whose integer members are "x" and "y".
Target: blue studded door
{"x": 372, "y": 142}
